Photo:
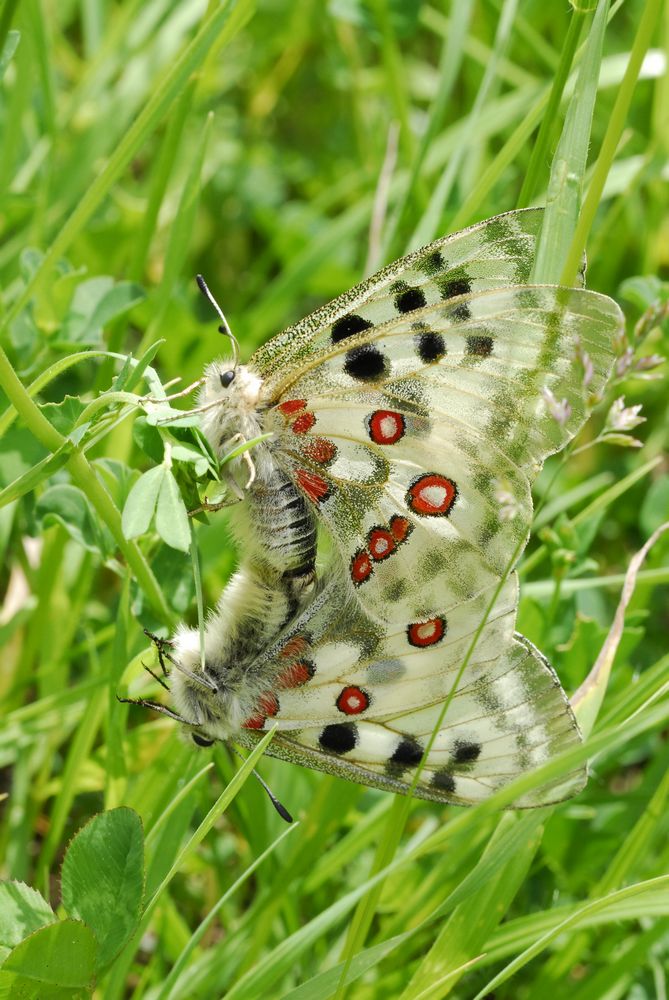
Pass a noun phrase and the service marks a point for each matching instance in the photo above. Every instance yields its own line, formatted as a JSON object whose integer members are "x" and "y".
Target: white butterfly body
{"x": 395, "y": 413}
{"x": 276, "y": 534}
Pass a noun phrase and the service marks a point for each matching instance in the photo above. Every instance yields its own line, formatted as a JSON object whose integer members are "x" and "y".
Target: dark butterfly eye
{"x": 201, "y": 741}
{"x": 226, "y": 378}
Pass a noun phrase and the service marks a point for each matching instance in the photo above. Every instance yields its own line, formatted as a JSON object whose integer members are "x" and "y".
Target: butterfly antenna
{"x": 280, "y": 808}
{"x": 224, "y": 327}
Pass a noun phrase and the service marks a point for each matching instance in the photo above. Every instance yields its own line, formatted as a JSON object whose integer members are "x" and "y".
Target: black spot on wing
{"x": 348, "y": 326}
{"x": 430, "y": 346}
{"x": 339, "y": 738}
{"x": 443, "y": 780}
{"x": 480, "y": 345}
{"x": 365, "y": 363}
{"x": 456, "y": 282}
{"x": 466, "y": 751}
{"x": 408, "y": 753}
{"x": 409, "y": 299}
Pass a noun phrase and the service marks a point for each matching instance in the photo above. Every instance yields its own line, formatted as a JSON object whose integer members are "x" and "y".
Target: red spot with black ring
{"x": 432, "y": 495}
{"x": 361, "y": 567}
{"x": 427, "y": 633}
{"x": 381, "y": 544}
{"x": 386, "y": 426}
{"x": 353, "y": 700}
{"x": 400, "y": 528}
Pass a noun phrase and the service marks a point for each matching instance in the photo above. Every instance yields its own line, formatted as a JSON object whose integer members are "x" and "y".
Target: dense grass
{"x": 283, "y": 151}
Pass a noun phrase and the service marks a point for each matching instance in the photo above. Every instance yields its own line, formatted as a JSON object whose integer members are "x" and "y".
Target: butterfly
{"x": 393, "y": 417}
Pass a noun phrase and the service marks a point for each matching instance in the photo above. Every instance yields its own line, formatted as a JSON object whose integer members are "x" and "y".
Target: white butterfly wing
{"x": 490, "y": 254}
{"x": 362, "y": 702}
{"x": 403, "y": 436}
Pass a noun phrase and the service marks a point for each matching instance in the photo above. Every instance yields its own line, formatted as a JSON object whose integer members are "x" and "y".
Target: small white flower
{"x": 624, "y": 362}
{"x": 559, "y": 411}
{"x": 623, "y": 418}
{"x": 648, "y": 362}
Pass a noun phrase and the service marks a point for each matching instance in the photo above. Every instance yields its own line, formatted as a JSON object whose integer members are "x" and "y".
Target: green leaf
{"x": 141, "y": 502}
{"x": 563, "y": 198}
{"x": 31, "y": 479}
{"x": 505, "y": 863}
{"x": 9, "y": 48}
{"x": 171, "y": 515}
{"x": 55, "y": 963}
{"x": 19, "y": 453}
{"x": 102, "y": 879}
{"x": 94, "y": 304}
{"x": 643, "y": 291}
{"x": 65, "y": 414}
{"x": 117, "y": 477}
{"x": 655, "y": 505}
{"x": 68, "y": 505}
{"x": 187, "y": 453}
{"x": 175, "y": 575}
{"x": 22, "y": 911}
{"x": 140, "y": 368}
{"x": 148, "y": 440}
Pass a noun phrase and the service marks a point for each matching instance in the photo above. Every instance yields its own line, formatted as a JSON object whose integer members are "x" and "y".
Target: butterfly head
{"x": 229, "y": 399}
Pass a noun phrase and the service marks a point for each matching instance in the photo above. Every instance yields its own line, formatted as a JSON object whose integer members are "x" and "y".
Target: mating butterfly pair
{"x": 397, "y": 414}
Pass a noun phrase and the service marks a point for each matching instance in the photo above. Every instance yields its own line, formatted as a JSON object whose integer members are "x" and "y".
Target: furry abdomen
{"x": 276, "y": 536}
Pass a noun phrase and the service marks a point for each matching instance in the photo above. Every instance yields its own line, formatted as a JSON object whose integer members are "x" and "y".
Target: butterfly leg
{"x": 162, "y": 645}
{"x": 156, "y": 676}
{"x": 176, "y": 395}
{"x": 239, "y": 439}
{"x": 231, "y": 485}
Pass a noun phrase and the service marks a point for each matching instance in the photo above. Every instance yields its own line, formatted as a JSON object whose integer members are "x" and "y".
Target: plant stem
{"x": 84, "y": 476}
{"x": 649, "y": 18}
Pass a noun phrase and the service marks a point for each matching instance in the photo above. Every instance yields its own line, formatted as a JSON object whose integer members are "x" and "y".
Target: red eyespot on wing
{"x": 385, "y": 426}
{"x": 296, "y": 674}
{"x": 427, "y": 633}
{"x": 381, "y": 544}
{"x": 254, "y": 722}
{"x": 295, "y": 646}
{"x": 352, "y": 700}
{"x": 303, "y": 423}
{"x": 432, "y": 495}
{"x": 316, "y": 488}
{"x": 320, "y": 450}
{"x": 361, "y": 567}
{"x": 400, "y": 528}
{"x": 268, "y": 703}
{"x": 292, "y": 406}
